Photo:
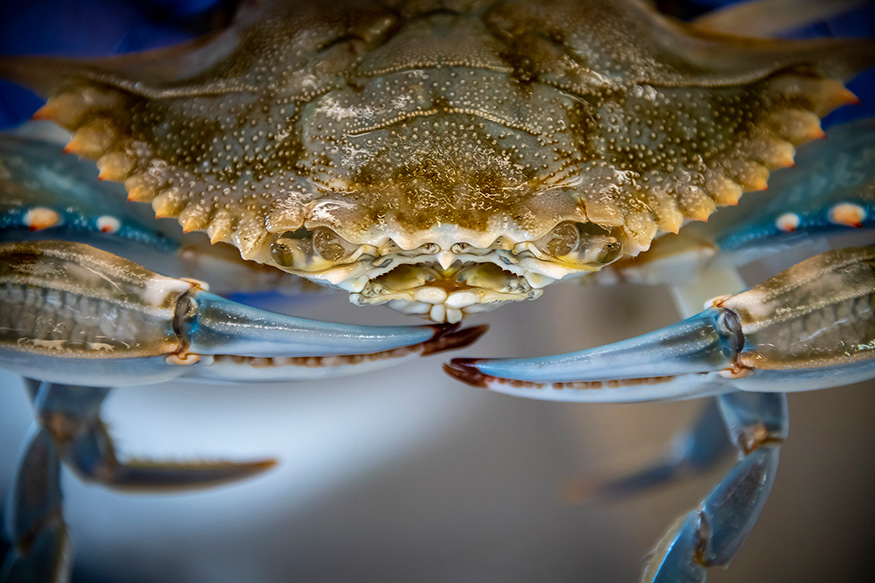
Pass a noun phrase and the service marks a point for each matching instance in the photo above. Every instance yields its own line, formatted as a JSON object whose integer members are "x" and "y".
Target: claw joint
{"x": 703, "y": 535}
{"x": 729, "y": 323}
{"x": 182, "y": 358}
{"x": 183, "y": 316}
{"x": 717, "y": 301}
{"x": 737, "y": 371}
{"x": 755, "y": 436}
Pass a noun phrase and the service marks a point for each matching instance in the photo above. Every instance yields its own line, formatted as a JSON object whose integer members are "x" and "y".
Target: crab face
{"x": 445, "y": 160}
{"x": 435, "y": 212}
{"x": 444, "y": 278}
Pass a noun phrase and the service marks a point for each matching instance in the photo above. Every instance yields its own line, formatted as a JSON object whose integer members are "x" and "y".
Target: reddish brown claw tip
{"x": 442, "y": 329}
{"x": 453, "y": 339}
{"x": 465, "y": 369}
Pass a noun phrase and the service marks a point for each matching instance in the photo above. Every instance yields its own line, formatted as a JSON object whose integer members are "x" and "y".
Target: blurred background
{"x": 407, "y": 475}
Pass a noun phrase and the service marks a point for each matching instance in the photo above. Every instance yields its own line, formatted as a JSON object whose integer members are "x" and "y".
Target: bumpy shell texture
{"x": 456, "y": 121}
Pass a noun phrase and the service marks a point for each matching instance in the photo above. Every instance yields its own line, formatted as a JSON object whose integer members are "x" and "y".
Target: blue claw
{"x": 86, "y": 312}
{"x": 809, "y": 327}
{"x": 220, "y": 326}
{"x": 249, "y": 344}
{"x": 677, "y": 362}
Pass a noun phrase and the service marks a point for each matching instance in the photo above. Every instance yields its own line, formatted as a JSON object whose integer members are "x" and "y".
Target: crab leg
{"x": 692, "y": 451}
{"x": 830, "y": 193}
{"x": 72, "y": 416}
{"x": 72, "y": 313}
{"x": 34, "y": 523}
{"x": 711, "y": 534}
{"x": 69, "y": 430}
{"x": 810, "y": 327}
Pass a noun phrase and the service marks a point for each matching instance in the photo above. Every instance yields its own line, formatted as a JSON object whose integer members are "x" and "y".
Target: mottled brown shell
{"x": 433, "y": 120}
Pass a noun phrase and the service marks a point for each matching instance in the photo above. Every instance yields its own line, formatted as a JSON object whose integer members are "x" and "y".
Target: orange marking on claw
{"x": 39, "y": 218}
{"x": 108, "y": 224}
{"x": 788, "y": 222}
{"x": 848, "y": 214}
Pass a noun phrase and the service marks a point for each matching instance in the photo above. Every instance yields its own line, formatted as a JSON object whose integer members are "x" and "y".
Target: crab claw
{"x": 659, "y": 365}
{"x": 357, "y": 359}
{"x": 219, "y": 326}
{"x": 250, "y": 344}
{"x": 809, "y": 327}
{"x": 111, "y": 319}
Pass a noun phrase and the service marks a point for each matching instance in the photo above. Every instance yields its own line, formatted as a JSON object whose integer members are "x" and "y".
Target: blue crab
{"x": 442, "y": 159}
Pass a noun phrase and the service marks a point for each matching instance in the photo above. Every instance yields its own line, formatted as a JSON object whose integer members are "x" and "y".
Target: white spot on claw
{"x": 108, "y": 224}
{"x": 788, "y": 222}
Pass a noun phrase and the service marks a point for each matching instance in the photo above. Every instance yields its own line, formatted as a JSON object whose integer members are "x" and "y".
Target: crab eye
{"x": 287, "y": 253}
{"x": 608, "y": 252}
{"x": 562, "y": 240}
{"x": 330, "y": 246}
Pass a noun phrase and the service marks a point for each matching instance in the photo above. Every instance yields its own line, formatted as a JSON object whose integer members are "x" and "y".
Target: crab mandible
{"x": 441, "y": 158}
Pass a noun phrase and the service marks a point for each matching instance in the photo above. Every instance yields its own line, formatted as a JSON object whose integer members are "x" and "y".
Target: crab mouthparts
{"x": 446, "y": 295}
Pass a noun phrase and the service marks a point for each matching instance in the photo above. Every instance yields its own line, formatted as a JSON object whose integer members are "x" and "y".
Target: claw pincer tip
{"x": 453, "y": 338}
{"x": 465, "y": 370}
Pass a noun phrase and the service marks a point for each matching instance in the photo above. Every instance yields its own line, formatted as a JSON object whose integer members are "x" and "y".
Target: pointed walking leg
{"x": 69, "y": 430}
{"x": 71, "y": 414}
{"x": 711, "y": 534}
